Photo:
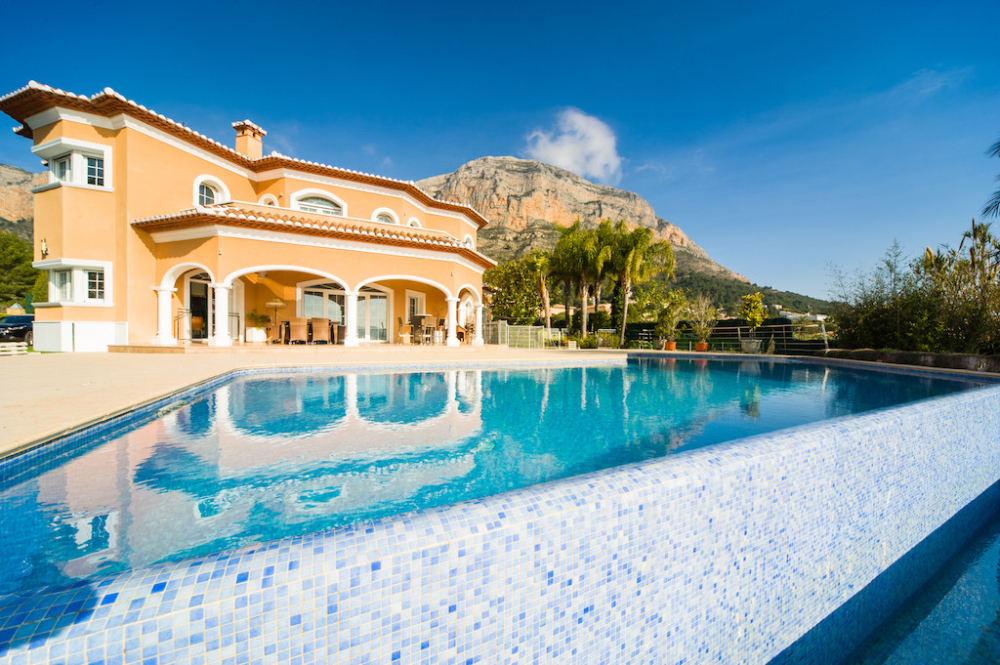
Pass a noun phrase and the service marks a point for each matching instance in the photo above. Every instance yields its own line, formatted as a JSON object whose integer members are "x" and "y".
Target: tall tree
{"x": 539, "y": 263}
{"x": 565, "y": 264}
{"x": 514, "y": 296}
{"x": 592, "y": 257}
{"x": 635, "y": 258}
{"x": 992, "y": 208}
{"x": 17, "y": 276}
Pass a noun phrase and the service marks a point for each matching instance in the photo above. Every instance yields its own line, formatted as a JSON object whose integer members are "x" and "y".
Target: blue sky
{"x": 782, "y": 137}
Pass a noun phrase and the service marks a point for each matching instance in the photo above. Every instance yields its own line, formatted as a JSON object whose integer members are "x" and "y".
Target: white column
{"x": 351, "y": 320}
{"x": 477, "y": 340}
{"x": 452, "y": 339}
{"x": 164, "y": 327}
{"x": 220, "y": 336}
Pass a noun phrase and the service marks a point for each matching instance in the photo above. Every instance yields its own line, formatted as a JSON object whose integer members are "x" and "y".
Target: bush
{"x": 948, "y": 301}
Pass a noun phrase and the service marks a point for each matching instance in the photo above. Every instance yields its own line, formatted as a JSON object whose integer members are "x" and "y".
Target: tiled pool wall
{"x": 727, "y": 554}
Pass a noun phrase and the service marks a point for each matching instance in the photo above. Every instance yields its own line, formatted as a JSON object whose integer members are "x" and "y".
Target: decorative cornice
{"x": 36, "y": 97}
{"x": 310, "y": 226}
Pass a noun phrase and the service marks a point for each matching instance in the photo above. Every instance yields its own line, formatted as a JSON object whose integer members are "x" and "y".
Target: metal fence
{"x": 796, "y": 338}
{"x": 495, "y": 332}
{"x": 521, "y": 337}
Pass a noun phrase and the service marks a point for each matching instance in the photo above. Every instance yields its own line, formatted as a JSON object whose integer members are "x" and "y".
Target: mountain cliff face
{"x": 17, "y": 211}
{"x": 522, "y": 199}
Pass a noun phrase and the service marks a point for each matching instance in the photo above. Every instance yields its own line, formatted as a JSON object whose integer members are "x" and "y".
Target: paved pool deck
{"x": 43, "y": 395}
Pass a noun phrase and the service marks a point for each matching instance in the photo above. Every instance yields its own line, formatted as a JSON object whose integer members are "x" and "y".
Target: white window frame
{"x": 413, "y": 223}
{"x": 87, "y": 272}
{"x": 77, "y": 152}
{"x": 206, "y": 192}
{"x": 98, "y": 167}
{"x": 320, "y": 193}
{"x": 63, "y": 289}
{"x": 421, "y": 298}
{"x": 56, "y": 165}
{"x": 321, "y": 205}
{"x": 268, "y": 200}
{"x": 385, "y": 211}
{"x": 221, "y": 191}
{"x": 469, "y": 242}
{"x": 78, "y": 269}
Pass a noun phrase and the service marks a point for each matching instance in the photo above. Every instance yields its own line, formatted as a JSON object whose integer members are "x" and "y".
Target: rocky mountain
{"x": 16, "y": 208}
{"x": 522, "y": 199}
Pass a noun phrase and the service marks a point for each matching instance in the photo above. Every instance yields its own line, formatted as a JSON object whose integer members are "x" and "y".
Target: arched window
{"x": 207, "y": 195}
{"x": 385, "y": 216}
{"x": 414, "y": 223}
{"x": 209, "y": 190}
{"x": 321, "y": 206}
{"x": 469, "y": 242}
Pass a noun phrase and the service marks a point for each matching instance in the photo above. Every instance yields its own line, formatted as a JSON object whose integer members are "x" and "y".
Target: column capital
{"x": 164, "y": 289}
{"x": 220, "y": 285}
{"x": 452, "y": 299}
{"x": 352, "y": 293}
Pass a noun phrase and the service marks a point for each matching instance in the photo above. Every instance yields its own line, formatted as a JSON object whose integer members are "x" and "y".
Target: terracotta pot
{"x": 701, "y": 347}
{"x": 670, "y": 346}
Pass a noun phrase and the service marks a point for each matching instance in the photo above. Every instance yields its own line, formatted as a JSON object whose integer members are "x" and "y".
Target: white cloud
{"x": 580, "y": 143}
{"x": 927, "y": 82}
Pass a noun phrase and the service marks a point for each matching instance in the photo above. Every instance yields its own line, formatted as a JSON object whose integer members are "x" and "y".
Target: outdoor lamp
{"x": 276, "y": 303}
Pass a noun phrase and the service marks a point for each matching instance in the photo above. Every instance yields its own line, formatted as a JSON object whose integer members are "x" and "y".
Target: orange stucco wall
{"x": 155, "y": 175}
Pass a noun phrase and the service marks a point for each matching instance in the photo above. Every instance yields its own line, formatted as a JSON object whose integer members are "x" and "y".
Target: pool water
{"x": 268, "y": 456}
{"x": 954, "y": 618}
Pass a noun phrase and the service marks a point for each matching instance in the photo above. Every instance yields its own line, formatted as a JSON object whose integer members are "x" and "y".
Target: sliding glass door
{"x": 328, "y": 301}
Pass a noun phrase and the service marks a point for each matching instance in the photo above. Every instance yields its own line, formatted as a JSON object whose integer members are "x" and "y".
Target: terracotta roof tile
{"x": 37, "y": 97}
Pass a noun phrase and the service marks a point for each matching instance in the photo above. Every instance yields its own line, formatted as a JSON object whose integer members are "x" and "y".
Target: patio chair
{"x": 298, "y": 331}
{"x": 405, "y": 331}
{"x": 321, "y": 330}
{"x": 425, "y": 332}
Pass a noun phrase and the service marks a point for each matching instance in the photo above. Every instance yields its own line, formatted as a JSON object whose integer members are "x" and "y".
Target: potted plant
{"x": 255, "y": 333}
{"x": 703, "y": 317}
{"x": 752, "y": 311}
{"x": 674, "y": 305}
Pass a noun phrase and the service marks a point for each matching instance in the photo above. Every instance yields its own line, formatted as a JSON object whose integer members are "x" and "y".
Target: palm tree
{"x": 992, "y": 208}
{"x": 635, "y": 259}
{"x": 594, "y": 254}
{"x": 539, "y": 263}
{"x": 563, "y": 266}
{"x": 606, "y": 237}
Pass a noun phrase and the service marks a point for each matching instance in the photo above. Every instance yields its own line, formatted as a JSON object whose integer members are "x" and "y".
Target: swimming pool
{"x": 431, "y": 434}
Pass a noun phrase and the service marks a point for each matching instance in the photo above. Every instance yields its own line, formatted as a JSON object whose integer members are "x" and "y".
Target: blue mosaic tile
{"x": 725, "y": 554}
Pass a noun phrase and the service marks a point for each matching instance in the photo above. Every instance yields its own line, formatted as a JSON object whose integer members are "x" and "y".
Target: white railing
{"x": 13, "y": 348}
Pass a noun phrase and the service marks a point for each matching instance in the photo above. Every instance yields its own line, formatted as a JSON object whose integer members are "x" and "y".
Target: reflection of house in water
{"x": 263, "y": 454}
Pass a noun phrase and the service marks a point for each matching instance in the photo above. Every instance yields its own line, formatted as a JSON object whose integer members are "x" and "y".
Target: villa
{"x": 152, "y": 233}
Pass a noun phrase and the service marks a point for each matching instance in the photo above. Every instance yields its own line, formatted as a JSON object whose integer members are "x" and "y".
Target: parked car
{"x": 18, "y": 328}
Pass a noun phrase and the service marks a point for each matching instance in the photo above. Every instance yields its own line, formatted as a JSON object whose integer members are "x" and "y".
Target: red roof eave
{"x": 291, "y": 224}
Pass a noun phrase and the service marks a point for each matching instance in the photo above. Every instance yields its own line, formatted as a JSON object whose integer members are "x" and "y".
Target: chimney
{"x": 249, "y": 139}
